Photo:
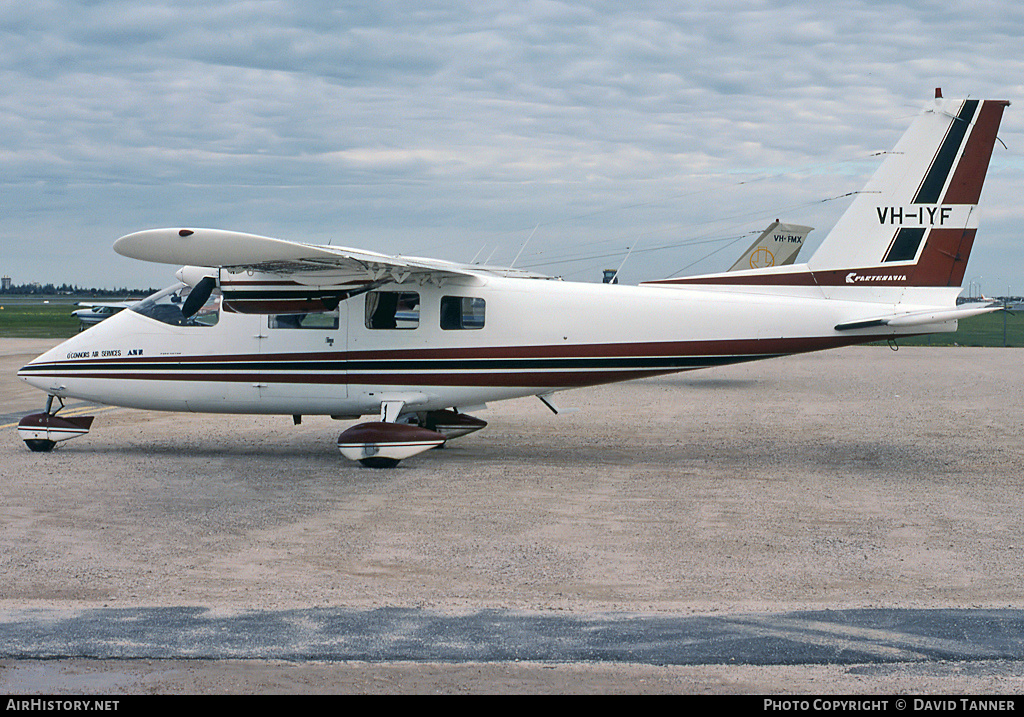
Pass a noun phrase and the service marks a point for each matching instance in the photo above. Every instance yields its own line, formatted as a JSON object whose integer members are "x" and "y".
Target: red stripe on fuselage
{"x": 653, "y": 349}
{"x": 447, "y": 374}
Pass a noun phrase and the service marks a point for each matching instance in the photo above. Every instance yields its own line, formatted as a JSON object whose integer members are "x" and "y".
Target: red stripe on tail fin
{"x": 965, "y": 188}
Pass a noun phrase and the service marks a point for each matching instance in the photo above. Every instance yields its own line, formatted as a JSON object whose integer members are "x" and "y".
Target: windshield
{"x": 165, "y": 306}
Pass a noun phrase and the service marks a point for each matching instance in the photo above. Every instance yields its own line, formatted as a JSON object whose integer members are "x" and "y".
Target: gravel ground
{"x": 854, "y": 478}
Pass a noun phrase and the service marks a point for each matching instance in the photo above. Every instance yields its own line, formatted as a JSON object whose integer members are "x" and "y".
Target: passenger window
{"x": 319, "y": 320}
{"x": 462, "y": 312}
{"x": 392, "y": 310}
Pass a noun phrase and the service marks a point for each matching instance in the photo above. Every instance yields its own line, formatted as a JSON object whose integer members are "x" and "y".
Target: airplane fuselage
{"x": 460, "y": 344}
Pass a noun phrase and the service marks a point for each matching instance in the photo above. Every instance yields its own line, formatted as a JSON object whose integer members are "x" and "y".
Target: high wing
{"x": 258, "y": 274}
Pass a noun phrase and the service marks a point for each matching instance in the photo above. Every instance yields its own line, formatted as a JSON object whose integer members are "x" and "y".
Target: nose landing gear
{"x": 42, "y": 431}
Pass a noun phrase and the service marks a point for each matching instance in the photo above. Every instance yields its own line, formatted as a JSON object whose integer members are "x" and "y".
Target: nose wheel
{"x": 379, "y": 462}
{"x": 40, "y": 445}
{"x": 42, "y": 431}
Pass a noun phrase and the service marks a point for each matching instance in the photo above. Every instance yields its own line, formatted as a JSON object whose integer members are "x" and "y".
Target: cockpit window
{"x": 165, "y": 306}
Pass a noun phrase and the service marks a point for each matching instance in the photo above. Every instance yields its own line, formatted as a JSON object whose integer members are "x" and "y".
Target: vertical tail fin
{"x": 915, "y": 221}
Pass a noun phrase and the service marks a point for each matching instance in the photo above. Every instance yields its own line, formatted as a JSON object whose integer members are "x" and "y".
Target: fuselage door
{"x": 302, "y": 361}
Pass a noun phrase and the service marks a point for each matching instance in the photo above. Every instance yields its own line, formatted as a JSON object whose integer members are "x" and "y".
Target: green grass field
{"x": 983, "y": 330}
{"x": 54, "y": 321}
{"x": 37, "y": 320}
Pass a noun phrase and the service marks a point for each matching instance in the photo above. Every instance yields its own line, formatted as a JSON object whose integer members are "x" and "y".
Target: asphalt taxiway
{"x": 833, "y": 637}
{"x": 839, "y": 522}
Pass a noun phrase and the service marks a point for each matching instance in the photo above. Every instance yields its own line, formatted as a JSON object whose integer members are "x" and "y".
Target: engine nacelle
{"x": 192, "y": 275}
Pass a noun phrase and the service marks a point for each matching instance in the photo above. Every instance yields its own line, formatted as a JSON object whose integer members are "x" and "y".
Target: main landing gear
{"x": 378, "y": 444}
{"x": 382, "y": 444}
{"x": 42, "y": 431}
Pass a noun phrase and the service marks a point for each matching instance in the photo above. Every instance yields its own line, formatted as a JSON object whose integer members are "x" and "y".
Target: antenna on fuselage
{"x": 512, "y": 265}
{"x": 614, "y": 278}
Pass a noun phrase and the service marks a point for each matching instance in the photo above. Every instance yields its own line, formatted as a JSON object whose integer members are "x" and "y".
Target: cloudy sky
{"x": 562, "y": 133}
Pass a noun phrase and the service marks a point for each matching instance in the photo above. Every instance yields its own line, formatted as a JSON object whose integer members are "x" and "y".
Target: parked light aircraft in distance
{"x": 93, "y": 312}
{"x": 261, "y": 325}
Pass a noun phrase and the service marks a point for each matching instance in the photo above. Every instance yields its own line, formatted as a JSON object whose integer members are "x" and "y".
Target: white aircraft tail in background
{"x": 778, "y": 245}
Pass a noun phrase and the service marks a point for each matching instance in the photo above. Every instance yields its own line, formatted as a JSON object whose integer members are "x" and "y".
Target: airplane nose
{"x": 44, "y": 371}
{"x": 39, "y": 374}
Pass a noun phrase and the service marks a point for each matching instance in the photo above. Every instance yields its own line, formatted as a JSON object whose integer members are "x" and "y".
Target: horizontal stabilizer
{"x": 919, "y": 318}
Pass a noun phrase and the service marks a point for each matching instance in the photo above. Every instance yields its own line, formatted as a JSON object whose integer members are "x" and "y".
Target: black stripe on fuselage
{"x": 300, "y": 368}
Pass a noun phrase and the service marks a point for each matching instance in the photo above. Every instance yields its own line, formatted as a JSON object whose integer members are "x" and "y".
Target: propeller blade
{"x": 198, "y": 296}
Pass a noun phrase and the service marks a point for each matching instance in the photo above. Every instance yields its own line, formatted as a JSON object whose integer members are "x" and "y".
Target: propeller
{"x": 198, "y": 296}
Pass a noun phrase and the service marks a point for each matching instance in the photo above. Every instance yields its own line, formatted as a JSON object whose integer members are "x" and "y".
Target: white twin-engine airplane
{"x": 278, "y": 327}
